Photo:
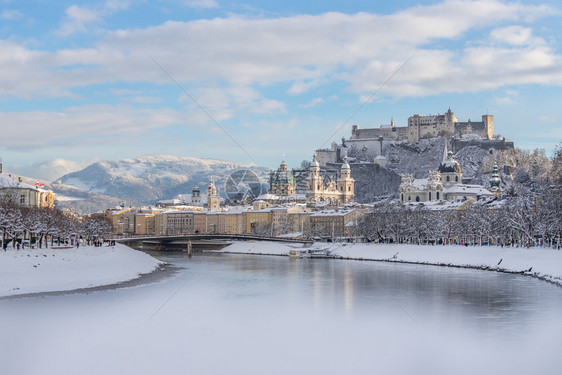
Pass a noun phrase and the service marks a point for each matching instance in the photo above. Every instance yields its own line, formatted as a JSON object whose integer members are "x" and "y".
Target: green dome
{"x": 495, "y": 180}
{"x": 284, "y": 178}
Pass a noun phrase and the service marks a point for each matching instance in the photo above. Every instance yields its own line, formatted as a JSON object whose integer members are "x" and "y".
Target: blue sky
{"x": 78, "y": 82}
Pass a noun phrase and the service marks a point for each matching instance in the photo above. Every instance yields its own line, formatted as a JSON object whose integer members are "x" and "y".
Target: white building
{"x": 443, "y": 184}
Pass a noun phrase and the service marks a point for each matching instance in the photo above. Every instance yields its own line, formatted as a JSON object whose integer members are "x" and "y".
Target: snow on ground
{"x": 543, "y": 263}
{"x": 47, "y": 270}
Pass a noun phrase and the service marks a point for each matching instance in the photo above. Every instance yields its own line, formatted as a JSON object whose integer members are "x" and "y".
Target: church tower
{"x": 450, "y": 169}
{"x": 213, "y": 198}
{"x": 346, "y": 184}
{"x": 314, "y": 182}
{"x": 495, "y": 182}
{"x": 196, "y": 195}
{"x": 283, "y": 182}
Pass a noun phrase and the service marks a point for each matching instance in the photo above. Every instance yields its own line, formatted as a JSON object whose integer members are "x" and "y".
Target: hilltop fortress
{"x": 428, "y": 126}
{"x": 368, "y": 145}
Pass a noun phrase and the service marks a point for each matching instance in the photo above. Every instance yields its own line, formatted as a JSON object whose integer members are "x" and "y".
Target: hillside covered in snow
{"x": 148, "y": 179}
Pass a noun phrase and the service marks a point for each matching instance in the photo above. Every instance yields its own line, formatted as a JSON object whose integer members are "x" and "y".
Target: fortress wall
{"x": 486, "y": 144}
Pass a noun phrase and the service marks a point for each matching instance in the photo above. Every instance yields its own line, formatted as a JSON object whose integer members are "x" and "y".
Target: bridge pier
{"x": 189, "y": 248}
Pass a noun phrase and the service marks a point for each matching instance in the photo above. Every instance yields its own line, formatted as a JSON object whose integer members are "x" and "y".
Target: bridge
{"x": 189, "y": 242}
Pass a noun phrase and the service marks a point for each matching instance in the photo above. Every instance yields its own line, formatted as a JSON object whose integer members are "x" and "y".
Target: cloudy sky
{"x": 250, "y": 80}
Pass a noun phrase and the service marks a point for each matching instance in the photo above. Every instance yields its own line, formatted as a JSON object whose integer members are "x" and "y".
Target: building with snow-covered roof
{"x": 26, "y": 195}
{"x": 443, "y": 184}
{"x": 334, "y": 223}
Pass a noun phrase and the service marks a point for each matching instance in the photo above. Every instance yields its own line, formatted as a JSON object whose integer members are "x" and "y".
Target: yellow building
{"x": 234, "y": 222}
{"x": 257, "y": 220}
{"x": 200, "y": 222}
{"x": 212, "y": 223}
{"x": 334, "y": 223}
{"x": 300, "y": 220}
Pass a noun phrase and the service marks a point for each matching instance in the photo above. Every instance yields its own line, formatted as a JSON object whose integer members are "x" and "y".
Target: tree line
{"x": 523, "y": 219}
{"x": 21, "y": 226}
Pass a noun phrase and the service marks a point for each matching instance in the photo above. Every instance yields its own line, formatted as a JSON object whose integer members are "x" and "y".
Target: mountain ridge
{"x": 149, "y": 178}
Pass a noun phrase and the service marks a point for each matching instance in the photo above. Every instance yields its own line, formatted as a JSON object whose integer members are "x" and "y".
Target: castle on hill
{"x": 428, "y": 126}
{"x": 370, "y": 143}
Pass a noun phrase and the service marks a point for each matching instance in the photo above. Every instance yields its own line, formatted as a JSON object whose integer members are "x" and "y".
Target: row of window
{"x": 418, "y": 198}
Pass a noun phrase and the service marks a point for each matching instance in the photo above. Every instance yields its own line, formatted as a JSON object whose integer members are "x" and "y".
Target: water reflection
{"x": 247, "y": 314}
{"x": 450, "y": 296}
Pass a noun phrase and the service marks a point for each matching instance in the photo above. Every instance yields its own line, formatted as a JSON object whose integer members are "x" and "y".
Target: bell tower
{"x": 346, "y": 184}
{"x": 213, "y": 198}
{"x": 314, "y": 182}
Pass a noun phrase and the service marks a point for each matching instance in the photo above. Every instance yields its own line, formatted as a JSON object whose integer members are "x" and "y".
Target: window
{"x": 430, "y": 195}
{"x": 22, "y": 199}
{"x": 402, "y": 198}
{"x": 417, "y": 198}
{"x": 437, "y": 195}
{"x": 457, "y": 178}
{"x": 447, "y": 178}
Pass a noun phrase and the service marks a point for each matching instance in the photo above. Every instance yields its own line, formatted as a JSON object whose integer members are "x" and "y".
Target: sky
{"x": 249, "y": 81}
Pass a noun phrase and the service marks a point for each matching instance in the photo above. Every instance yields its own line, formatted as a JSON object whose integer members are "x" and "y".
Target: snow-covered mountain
{"x": 147, "y": 179}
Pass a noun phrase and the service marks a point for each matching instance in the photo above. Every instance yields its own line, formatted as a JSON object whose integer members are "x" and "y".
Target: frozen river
{"x": 248, "y": 314}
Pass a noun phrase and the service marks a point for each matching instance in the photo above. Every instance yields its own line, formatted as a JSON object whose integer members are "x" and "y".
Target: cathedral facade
{"x": 341, "y": 191}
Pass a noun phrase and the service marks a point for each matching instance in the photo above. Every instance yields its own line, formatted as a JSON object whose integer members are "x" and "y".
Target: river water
{"x": 248, "y": 314}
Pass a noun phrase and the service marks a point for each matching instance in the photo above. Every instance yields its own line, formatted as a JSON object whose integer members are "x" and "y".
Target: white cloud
{"x": 551, "y": 119}
{"x": 78, "y": 19}
{"x": 42, "y": 128}
{"x": 515, "y": 35}
{"x": 50, "y": 170}
{"x": 302, "y": 51}
{"x": 312, "y": 103}
{"x": 201, "y": 3}
{"x": 11, "y": 14}
{"x": 505, "y": 100}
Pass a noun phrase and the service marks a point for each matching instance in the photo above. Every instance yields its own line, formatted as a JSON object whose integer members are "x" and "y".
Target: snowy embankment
{"x": 48, "y": 270}
{"x": 543, "y": 263}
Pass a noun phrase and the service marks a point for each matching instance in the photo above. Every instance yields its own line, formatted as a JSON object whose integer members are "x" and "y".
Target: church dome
{"x": 283, "y": 178}
{"x": 450, "y": 165}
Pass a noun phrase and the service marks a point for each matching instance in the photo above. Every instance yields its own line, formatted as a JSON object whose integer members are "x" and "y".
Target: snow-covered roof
{"x": 9, "y": 182}
{"x": 420, "y": 183}
{"x": 467, "y": 189}
{"x": 332, "y": 212}
{"x": 266, "y": 197}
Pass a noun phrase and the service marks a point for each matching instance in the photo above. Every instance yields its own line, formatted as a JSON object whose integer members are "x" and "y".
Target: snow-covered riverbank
{"x": 543, "y": 263}
{"x": 46, "y": 270}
